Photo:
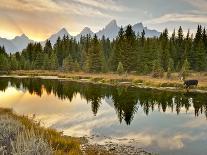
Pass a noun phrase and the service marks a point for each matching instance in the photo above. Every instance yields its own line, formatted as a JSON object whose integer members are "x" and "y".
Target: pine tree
{"x": 164, "y": 52}
{"x": 46, "y": 62}
{"x": 48, "y": 48}
{"x": 117, "y": 50}
{"x": 53, "y": 62}
{"x": 58, "y": 48}
{"x": 68, "y": 64}
{"x": 39, "y": 61}
{"x": 157, "y": 69}
{"x": 95, "y": 56}
{"x": 76, "y": 66}
{"x": 185, "y": 69}
{"x": 120, "y": 69}
{"x": 14, "y": 65}
{"x": 200, "y": 60}
{"x": 4, "y": 63}
{"x": 180, "y": 48}
{"x": 170, "y": 68}
{"x": 129, "y": 54}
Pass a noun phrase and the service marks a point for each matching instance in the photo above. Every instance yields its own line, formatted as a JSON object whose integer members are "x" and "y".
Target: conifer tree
{"x": 170, "y": 68}
{"x": 180, "y": 48}
{"x": 68, "y": 63}
{"x": 53, "y": 61}
{"x": 4, "y": 63}
{"x": 200, "y": 60}
{"x": 95, "y": 56}
{"x": 157, "y": 69}
{"x": 117, "y": 50}
{"x": 164, "y": 52}
{"x": 129, "y": 54}
{"x": 14, "y": 65}
{"x": 48, "y": 48}
{"x": 120, "y": 69}
{"x": 185, "y": 69}
{"x": 76, "y": 66}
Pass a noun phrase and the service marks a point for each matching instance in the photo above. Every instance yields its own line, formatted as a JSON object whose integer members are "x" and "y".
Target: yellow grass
{"x": 60, "y": 144}
{"x": 111, "y": 78}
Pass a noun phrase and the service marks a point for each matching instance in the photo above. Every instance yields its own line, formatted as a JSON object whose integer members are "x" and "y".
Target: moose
{"x": 188, "y": 83}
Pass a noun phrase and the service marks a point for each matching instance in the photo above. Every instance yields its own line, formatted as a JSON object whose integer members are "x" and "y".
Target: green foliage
{"x": 95, "y": 56}
{"x": 185, "y": 69}
{"x": 4, "y": 62}
{"x": 157, "y": 69}
{"x": 170, "y": 68}
{"x": 14, "y": 64}
{"x": 120, "y": 69}
{"x": 76, "y": 66}
{"x": 68, "y": 64}
{"x": 53, "y": 62}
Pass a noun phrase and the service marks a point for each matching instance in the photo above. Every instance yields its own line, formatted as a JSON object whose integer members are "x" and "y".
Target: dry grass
{"x": 59, "y": 143}
{"x": 22, "y": 135}
{"x": 111, "y": 78}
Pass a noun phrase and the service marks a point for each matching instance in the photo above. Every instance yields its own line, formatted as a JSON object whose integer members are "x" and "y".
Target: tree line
{"x": 129, "y": 52}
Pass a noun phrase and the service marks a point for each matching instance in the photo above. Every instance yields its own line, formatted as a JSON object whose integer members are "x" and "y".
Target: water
{"x": 158, "y": 121}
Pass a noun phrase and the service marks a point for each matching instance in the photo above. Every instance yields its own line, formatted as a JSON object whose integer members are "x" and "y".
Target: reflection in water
{"x": 126, "y": 101}
{"x": 158, "y": 121}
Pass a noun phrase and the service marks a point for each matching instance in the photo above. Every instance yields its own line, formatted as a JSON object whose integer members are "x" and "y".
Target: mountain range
{"x": 109, "y": 31}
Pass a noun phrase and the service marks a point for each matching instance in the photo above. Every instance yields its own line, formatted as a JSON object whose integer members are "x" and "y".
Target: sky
{"x": 38, "y": 19}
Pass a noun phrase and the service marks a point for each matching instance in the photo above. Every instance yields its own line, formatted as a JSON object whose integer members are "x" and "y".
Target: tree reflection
{"x": 126, "y": 100}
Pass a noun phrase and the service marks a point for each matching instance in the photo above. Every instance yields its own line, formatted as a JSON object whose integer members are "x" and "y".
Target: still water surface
{"x": 158, "y": 121}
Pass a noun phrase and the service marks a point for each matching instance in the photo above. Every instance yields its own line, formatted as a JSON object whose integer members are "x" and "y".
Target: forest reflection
{"x": 126, "y": 100}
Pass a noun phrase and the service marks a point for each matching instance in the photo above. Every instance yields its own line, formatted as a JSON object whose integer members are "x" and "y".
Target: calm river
{"x": 157, "y": 121}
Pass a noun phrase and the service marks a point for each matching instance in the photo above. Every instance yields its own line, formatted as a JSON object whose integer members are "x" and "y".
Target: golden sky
{"x": 38, "y": 19}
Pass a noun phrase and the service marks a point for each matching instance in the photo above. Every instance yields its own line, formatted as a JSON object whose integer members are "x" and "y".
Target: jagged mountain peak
{"x": 109, "y": 31}
{"x": 23, "y": 36}
{"x": 62, "y": 32}
{"x": 86, "y": 30}
{"x": 138, "y": 25}
{"x": 112, "y": 23}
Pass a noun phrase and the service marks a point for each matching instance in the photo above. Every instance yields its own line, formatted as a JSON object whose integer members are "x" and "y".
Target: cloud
{"x": 176, "y": 17}
{"x": 40, "y": 18}
{"x": 104, "y": 4}
{"x": 198, "y": 4}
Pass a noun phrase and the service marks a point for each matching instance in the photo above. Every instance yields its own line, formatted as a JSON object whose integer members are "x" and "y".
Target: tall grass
{"x": 20, "y": 135}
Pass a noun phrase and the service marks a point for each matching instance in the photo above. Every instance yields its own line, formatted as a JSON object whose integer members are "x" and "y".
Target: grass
{"x": 115, "y": 79}
{"x": 22, "y": 135}
{"x": 29, "y": 135}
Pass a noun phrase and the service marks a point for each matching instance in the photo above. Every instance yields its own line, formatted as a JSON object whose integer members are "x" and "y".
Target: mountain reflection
{"x": 126, "y": 100}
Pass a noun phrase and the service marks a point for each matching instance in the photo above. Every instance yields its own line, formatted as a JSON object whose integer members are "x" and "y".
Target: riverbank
{"x": 172, "y": 84}
{"x": 23, "y": 135}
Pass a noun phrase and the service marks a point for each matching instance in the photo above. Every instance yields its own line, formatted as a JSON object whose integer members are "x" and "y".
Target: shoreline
{"x": 53, "y": 141}
{"x": 137, "y": 81}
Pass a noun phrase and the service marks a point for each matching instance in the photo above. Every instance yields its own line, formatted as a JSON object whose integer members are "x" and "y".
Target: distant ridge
{"x": 109, "y": 31}
{"x": 16, "y": 44}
